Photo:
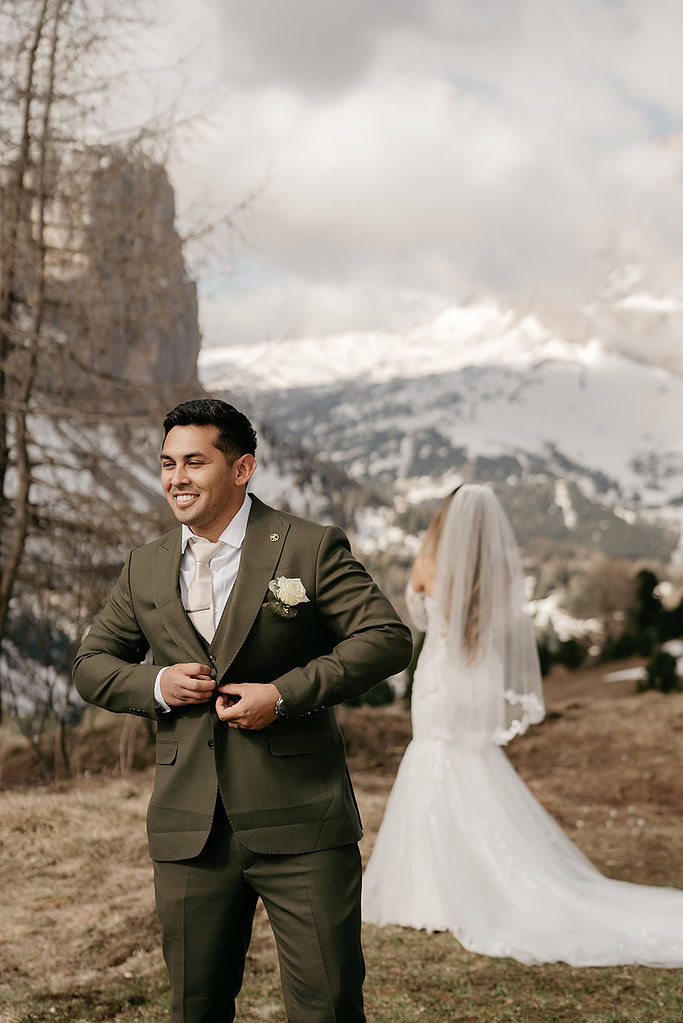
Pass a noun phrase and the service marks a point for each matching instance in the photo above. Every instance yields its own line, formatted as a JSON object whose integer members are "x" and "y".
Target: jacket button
{"x": 210, "y": 744}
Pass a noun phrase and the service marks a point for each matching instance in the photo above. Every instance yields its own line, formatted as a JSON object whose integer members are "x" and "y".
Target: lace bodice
{"x": 451, "y": 700}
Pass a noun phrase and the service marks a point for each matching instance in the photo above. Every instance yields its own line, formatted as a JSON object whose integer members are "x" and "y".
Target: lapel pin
{"x": 274, "y": 537}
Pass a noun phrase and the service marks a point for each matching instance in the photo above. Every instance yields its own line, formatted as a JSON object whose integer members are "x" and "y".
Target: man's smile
{"x": 185, "y": 499}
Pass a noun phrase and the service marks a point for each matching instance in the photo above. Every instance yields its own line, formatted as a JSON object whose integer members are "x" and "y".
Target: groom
{"x": 257, "y": 623}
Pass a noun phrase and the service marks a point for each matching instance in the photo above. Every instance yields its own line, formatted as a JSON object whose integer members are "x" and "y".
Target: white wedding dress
{"x": 465, "y": 847}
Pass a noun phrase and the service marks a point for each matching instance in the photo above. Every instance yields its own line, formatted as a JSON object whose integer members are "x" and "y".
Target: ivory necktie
{"x": 200, "y": 606}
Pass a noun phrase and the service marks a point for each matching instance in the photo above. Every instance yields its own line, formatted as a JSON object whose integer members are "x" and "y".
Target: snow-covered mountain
{"x": 622, "y": 318}
{"x": 462, "y": 336}
{"x": 481, "y": 391}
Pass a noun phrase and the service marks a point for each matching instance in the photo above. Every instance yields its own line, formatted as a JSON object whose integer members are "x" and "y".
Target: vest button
{"x": 210, "y": 744}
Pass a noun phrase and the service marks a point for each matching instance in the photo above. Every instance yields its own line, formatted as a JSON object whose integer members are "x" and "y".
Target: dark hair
{"x": 236, "y": 435}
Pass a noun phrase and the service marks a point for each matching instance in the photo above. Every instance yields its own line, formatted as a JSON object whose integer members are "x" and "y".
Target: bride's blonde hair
{"x": 428, "y": 555}
{"x": 479, "y": 611}
{"x": 430, "y": 541}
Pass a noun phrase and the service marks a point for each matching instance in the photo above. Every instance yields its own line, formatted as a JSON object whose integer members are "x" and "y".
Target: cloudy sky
{"x": 405, "y": 154}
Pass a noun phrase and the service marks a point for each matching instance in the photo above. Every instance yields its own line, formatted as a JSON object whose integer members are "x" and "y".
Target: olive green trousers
{"x": 206, "y": 907}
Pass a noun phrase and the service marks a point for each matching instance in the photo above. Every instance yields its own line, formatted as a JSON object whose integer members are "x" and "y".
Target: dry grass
{"x": 80, "y": 940}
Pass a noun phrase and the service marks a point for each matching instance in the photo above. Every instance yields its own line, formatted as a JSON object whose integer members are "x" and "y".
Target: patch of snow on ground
{"x": 547, "y": 612}
{"x": 564, "y": 502}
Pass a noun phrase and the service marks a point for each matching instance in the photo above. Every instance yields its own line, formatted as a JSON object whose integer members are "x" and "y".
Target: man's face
{"x": 202, "y": 486}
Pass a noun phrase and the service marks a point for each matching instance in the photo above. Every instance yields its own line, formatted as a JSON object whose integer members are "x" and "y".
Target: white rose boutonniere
{"x": 284, "y": 596}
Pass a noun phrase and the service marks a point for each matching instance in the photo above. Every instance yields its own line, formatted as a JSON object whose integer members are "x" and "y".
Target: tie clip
{"x": 194, "y": 610}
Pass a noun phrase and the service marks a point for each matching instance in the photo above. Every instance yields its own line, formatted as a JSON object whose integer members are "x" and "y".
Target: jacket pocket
{"x": 287, "y": 744}
{"x": 166, "y": 752}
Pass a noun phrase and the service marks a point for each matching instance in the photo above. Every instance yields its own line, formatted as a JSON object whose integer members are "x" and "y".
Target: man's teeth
{"x": 185, "y": 498}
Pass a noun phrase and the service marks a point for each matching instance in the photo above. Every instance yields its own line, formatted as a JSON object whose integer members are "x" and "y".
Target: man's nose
{"x": 179, "y": 477}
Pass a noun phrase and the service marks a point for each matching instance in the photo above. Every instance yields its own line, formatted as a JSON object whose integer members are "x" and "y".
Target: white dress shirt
{"x": 223, "y": 566}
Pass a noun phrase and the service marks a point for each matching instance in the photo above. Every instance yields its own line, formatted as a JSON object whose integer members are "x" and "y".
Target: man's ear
{"x": 244, "y": 468}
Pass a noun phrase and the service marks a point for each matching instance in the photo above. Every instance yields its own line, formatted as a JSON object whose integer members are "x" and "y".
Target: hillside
{"x": 80, "y": 940}
{"x": 483, "y": 392}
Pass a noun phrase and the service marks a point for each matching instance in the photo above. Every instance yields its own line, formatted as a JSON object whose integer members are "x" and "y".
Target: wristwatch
{"x": 280, "y": 708}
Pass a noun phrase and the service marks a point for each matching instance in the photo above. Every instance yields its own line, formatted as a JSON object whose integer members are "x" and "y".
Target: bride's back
{"x": 478, "y": 677}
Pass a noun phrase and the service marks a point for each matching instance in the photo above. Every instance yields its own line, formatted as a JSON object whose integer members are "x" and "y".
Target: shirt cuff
{"x": 162, "y": 706}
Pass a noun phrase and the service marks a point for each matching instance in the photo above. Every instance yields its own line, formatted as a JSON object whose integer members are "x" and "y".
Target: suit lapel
{"x": 166, "y": 571}
{"x": 261, "y": 550}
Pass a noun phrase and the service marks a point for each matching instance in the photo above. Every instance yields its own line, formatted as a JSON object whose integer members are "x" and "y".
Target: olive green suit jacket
{"x": 285, "y": 788}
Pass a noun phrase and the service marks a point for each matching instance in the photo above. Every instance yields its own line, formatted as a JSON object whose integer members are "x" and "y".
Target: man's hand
{"x": 249, "y": 705}
{"x": 186, "y": 683}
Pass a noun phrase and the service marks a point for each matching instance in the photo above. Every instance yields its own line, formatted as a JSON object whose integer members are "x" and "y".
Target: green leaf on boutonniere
{"x": 280, "y": 609}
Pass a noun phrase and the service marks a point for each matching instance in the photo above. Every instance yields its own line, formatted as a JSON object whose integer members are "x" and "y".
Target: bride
{"x": 464, "y": 846}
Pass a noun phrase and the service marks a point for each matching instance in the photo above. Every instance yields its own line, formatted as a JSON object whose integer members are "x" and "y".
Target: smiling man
{"x": 258, "y": 623}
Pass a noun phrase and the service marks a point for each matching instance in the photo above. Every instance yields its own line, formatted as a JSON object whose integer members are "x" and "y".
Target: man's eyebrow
{"x": 191, "y": 454}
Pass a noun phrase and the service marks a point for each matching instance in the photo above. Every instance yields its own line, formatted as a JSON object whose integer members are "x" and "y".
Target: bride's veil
{"x": 479, "y": 595}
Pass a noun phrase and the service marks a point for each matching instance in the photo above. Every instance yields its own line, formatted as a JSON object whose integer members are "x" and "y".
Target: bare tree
{"x": 98, "y": 335}
{"x": 604, "y": 591}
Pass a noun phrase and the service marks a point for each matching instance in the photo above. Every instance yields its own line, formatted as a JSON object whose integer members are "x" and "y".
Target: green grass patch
{"x": 413, "y": 976}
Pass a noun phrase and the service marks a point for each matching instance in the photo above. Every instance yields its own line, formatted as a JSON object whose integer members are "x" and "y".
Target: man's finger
{"x": 232, "y": 688}
{"x": 199, "y": 685}
{"x": 228, "y": 711}
{"x": 195, "y": 669}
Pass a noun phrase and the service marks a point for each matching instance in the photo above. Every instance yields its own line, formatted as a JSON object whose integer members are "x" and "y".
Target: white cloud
{"x": 414, "y": 151}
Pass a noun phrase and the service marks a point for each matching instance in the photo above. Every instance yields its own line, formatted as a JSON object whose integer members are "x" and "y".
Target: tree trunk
{"x": 8, "y": 268}
{"x": 18, "y": 527}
